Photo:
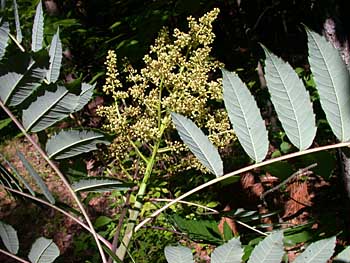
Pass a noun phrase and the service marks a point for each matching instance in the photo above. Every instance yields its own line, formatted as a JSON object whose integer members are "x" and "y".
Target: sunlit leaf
{"x": 245, "y": 116}
{"x": 291, "y": 101}
{"x": 269, "y": 250}
{"x": 55, "y": 54}
{"x": 230, "y": 252}
{"x": 317, "y": 252}
{"x": 38, "y": 28}
{"x": 178, "y": 254}
{"x": 332, "y": 81}
{"x": 198, "y": 143}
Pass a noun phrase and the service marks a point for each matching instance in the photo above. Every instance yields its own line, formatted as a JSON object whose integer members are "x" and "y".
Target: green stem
{"x": 62, "y": 177}
{"x": 135, "y": 211}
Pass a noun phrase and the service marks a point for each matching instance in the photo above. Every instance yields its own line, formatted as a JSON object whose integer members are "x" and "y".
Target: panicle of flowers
{"x": 178, "y": 76}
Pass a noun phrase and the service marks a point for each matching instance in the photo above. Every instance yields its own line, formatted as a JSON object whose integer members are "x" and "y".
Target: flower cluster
{"x": 177, "y": 77}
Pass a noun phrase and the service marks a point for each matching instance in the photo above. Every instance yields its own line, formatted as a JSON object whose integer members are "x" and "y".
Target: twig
{"x": 251, "y": 228}
{"x": 239, "y": 171}
{"x": 120, "y": 225}
{"x": 62, "y": 177}
{"x": 13, "y": 256}
{"x": 299, "y": 172}
{"x": 185, "y": 202}
{"x": 17, "y": 43}
{"x": 104, "y": 241}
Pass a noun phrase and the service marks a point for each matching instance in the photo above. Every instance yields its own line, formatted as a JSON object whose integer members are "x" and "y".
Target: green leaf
{"x": 100, "y": 184}
{"x": 332, "y": 81}
{"x": 102, "y": 221}
{"x": 24, "y": 76}
{"x": 38, "y": 28}
{"x": 4, "y": 123}
{"x": 4, "y": 38}
{"x": 343, "y": 257}
{"x": 53, "y": 107}
{"x": 206, "y": 230}
{"x": 178, "y": 254}
{"x": 68, "y": 143}
{"x": 269, "y": 250}
{"x": 317, "y": 252}
{"x": 199, "y": 144}
{"x": 55, "y": 54}
{"x": 43, "y": 251}
{"x": 9, "y": 237}
{"x": 291, "y": 101}
{"x": 37, "y": 178}
{"x": 19, "y": 36}
{"x": 231, "y": 252}
{"x": 245, "y": 116}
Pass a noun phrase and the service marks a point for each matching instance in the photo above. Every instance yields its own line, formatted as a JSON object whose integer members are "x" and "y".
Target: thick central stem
{"x": 135, "y": 211}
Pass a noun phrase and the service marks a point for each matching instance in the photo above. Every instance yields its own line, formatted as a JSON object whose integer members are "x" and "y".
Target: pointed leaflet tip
{"x": 199, "y": 144}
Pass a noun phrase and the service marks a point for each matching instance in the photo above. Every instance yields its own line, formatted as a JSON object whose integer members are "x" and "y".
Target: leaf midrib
{"x": 245, "y": 118}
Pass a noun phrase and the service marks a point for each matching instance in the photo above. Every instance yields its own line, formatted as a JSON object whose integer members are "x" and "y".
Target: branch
{"x": 299, "y": 172}
{"x": 62, "y": 177}
{"x": 13, "y": 256}
{"x": 239, "y": 171}
{"x": 104, "y": 241}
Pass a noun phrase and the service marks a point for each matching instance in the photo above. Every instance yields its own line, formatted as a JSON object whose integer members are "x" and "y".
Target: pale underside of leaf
{"x": 231, "y": 252}
{"x": 37, "y": 178}
{"x": 17, "y": 22}
{"x": 269, "y": 250}
{"x": 55, "y": 54}
{"x": 317, "y": 252}
{"x": 43, "y": 251}
{"x": 4, "y": 38}
{"x": 332, "y": 81}
{"x": 9, "y": 237}
{"x": 73, "y": 142}
{"x": 245, "y": 116}
{"x": 343, "y": 257}
{"x": 291, "y": 101}
{"x": 99, "y": 184}
{"x": 18, "y": 86}
{"x": 178, "y": 254}
{"x": 199, "y": 144}
{"x": 53, "y": 107}
{"x": 38, "y": 28}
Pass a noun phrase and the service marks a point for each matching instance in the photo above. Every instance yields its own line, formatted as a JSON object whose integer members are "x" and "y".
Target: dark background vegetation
{"x": 89, "y": 28}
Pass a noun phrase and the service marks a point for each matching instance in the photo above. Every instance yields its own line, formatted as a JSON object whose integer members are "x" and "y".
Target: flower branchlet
{"x": 177, "y": 77}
